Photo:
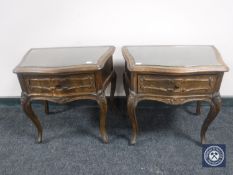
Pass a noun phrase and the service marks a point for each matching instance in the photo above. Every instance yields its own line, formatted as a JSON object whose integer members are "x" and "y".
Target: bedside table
{"x": 173, "y": 75}
{"x": 63, "y": 75}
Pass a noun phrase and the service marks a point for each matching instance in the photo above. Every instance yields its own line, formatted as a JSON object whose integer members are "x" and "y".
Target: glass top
{"x": 183, "y": 56}
{"x": 61, "y": 57}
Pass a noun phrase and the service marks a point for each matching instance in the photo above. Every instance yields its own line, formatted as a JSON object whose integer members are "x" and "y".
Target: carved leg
{"x": 46, "y": 107}
{"x": 26, "y": 104}
{"x": 125, "y": 83}
{"x": 214, "y": 110}
{"x": 113, "y": 88}
{"x": 102, "y": 101}
{"x": 131, "y": 106}
{"x": 198, "y": 109}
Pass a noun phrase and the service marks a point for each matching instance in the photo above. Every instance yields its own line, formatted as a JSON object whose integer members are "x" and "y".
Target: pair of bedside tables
{"x": 170, "y": 74}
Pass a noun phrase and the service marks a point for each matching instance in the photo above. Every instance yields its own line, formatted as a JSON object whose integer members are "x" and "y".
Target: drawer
{"x": 60, "y": 85}
{"x": 176, "y": 85}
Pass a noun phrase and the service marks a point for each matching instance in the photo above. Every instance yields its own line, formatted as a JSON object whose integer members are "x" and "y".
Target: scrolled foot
{"x": 133, "y": 139}
{"x": 203, "y": 140}
{"x": 105, "y": 138}
{"x": 39, "y": 138}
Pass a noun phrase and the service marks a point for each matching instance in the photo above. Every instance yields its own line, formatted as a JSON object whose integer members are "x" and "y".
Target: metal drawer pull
{"x": 62, "y": 88}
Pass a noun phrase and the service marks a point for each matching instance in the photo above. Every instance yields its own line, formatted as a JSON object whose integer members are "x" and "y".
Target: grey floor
{"x": 168, "y": 142}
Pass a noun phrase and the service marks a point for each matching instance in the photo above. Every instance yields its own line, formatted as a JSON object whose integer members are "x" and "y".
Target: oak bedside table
{"x": 173, "y": 75}
{"x": 63, "y": 75}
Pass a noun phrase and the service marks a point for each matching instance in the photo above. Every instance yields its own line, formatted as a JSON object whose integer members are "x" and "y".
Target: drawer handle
{"x": 61, "y": 88}
{"x": 173, "y": 89}
{"x": 176, "y": 87}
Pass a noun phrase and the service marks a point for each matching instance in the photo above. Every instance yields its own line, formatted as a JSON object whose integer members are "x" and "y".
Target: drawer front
{"x": 60, "y": 85}
{"x": 176, "y": 85}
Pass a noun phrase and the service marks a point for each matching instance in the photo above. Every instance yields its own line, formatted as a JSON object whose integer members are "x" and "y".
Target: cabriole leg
{"x": 131, "y": 106}
{"x": 102, "y": 101}
{"x": 27, "y": 107}
{"x": 198, "y": 109}
{"x": 46, "y": 107}
{"x": 113, "y": 88}
{"x": 214, "y": 110}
